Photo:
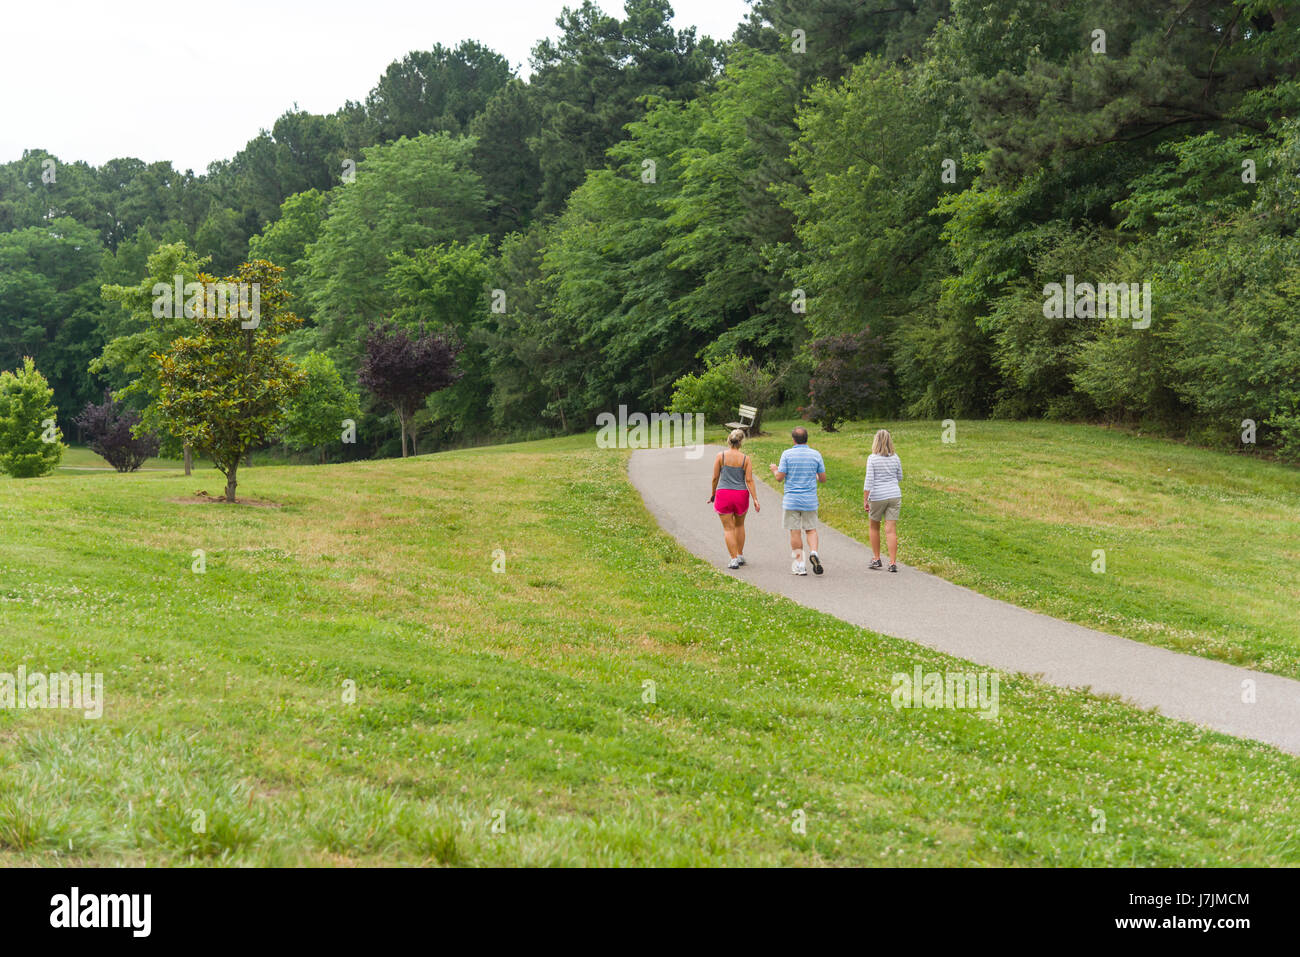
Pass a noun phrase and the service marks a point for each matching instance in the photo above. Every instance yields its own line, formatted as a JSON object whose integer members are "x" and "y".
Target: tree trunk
{"x": 401, "y": 418}
{"x": 189, "y": 459}
{"x": 230, "y": 482}
{"x": 415, "y": 439}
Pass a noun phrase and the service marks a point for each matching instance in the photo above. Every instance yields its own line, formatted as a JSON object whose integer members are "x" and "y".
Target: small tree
{"x": 402, "y": 370}
{"x": 225, "y": 388}
{"x": 110, "y": 430}
{"x": 31, "y": 443}
{"x": 315, "y": 417}
{"x": 846, "y": 377}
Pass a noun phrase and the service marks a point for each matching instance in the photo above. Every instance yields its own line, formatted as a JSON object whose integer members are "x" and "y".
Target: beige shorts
{"x": 886, "y": 509}
{"x": 797, "y": 521}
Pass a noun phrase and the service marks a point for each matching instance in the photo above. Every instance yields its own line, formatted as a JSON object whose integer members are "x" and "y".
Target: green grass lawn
{"x": 520, "y": 697}
{"x": 78, "y": 458}
{"x": 1202, "y": 549}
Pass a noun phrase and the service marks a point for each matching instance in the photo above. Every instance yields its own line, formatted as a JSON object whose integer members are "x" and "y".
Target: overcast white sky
{"x": 95, "y": 79}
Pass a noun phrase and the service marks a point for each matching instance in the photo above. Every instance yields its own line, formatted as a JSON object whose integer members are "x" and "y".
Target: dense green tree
{"x": 833, "y": 35}
{"x": 532, "y": 362}
{"x": 435, "y": 91}
{"x": 503, "y": 156}
{"x": 727, "y": 227}
{"x": 316, "y": 418}
{"x": 48, "y": 304}
{"x": 408, "y": 195}
{"x": 286, "y": 241}
{"x": 591, "y": 82}
{"x": 31, "y": 442}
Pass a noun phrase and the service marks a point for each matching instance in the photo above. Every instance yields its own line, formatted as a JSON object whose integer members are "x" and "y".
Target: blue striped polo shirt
{"x": 801, "y": 466}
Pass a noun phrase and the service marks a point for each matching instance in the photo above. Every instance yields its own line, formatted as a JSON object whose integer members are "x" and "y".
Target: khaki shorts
{"x": 795, "y": 520}
{"x": 886, "y": 509}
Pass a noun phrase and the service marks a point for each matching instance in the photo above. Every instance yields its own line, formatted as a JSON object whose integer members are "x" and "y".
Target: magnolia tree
{"x": 110, "y": 431}
{"x": 402, "y": 370}
{"x": 30, "y": 441}
{"x": 225, "y": 387}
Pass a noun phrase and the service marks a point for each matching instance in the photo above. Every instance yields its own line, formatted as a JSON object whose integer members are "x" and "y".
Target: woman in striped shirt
{"x": 881, "y": 496}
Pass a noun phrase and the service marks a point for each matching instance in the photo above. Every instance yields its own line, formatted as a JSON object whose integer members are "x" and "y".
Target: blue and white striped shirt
{"x": 884, "y": 472}
{"x": 801, "y": 466}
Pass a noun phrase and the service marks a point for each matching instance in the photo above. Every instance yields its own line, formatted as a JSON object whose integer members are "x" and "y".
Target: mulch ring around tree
{"x": 201, "y": 497}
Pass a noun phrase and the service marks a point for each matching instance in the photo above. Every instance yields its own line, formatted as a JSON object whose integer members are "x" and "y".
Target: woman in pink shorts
{"x": 733, "y": 487}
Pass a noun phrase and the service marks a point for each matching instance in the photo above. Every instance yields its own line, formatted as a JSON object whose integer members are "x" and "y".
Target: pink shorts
{"x": 731, "y": 501}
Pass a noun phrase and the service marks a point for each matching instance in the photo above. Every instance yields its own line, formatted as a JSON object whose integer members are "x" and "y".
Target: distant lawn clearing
{"x": 520, "y": 698}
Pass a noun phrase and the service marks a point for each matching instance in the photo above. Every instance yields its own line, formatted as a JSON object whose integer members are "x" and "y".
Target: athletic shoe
{"x": 816, "y": 563}
{"x": 741, "y": 560}
{"x": 734, "y": 563}
{"x": 801, "y": 569}
{"x": 893, "y": 568}
{"x": 876, "y": 564}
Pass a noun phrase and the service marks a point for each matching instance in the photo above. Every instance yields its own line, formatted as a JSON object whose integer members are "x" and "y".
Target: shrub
{"x": 722, "y": 387}
{"x": 847, "y": 378}
{"x": 110, "y": 429}
{"x": 30, "y": 440}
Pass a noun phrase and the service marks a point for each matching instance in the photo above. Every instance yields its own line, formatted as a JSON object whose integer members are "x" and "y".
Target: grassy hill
{"x": 519, "y": 698}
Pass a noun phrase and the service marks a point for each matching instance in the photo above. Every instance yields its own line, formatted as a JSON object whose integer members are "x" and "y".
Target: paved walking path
{"x": 938, "y": 614}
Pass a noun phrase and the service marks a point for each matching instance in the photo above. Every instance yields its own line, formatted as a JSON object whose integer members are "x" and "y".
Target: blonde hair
{"x": 735, "y": 438}
{"x": 883, "y": 443}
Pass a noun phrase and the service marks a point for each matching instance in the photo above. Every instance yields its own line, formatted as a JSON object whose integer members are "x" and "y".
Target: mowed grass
{"x": 1202, "y": 549}
{"x": 506, "y": 718}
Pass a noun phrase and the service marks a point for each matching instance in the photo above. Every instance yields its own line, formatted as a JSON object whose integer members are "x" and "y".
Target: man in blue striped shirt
{"x": 801, "y": 469}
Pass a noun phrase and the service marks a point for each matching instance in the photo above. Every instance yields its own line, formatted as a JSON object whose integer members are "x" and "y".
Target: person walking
{"x": 801, "y": 469}
{"x": 882, "y": 497}
{"x": 733, "y": 487}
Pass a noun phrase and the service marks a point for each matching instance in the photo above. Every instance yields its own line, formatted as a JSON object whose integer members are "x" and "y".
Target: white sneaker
{"x": 794, "y": 567}
{"x": 735, "y": 563}
{"x": 740, "y": 559}
{"x": 801, "y": 568}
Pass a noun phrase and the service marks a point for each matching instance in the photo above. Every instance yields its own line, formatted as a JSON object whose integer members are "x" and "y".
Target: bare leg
{"x": 740, "y": 535}
{"x": 812, "y": 539}
{"x": 875, "y": 540}
{"x": 729, "y": 533}
{"x": 796, "y": 543}
{"x": 891, "y": 538}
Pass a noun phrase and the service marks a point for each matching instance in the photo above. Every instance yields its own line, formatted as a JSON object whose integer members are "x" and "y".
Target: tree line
{"x": 849, "y": 207}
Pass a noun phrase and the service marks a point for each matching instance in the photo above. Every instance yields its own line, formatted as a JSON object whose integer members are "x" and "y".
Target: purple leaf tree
{"x": 402, "y": 370}
{"x": 110, "y": 431}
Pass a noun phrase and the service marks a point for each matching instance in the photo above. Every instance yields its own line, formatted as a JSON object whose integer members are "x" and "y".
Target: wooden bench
{"x": 747, "y": 416}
